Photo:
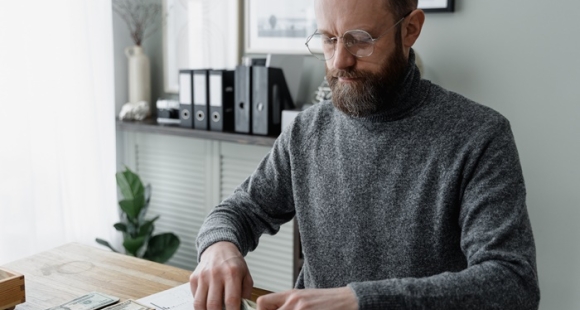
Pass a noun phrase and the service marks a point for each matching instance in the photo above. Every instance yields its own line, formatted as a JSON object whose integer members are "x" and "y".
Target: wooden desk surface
{"x": 61, "y": 274}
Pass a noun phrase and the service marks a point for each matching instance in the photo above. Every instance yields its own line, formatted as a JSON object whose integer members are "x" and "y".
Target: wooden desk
{"x": 69, "y": 271}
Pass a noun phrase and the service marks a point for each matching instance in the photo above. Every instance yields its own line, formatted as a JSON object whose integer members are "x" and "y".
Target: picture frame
{"x": 437, "y": 5}
{"x": 200, "y": 34}
{"x": 278, "y": 26}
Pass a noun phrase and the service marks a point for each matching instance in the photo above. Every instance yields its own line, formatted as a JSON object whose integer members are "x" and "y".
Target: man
{"x": 407, "y": 196}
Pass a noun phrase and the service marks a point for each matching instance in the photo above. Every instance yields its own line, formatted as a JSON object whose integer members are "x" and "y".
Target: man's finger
{"x": 233, "y": 294}
{"x": 200, "y": 297}
{"x": 215, "y": 295}
{"x": 272, "y": 301}
{"x": 247, "y": 285}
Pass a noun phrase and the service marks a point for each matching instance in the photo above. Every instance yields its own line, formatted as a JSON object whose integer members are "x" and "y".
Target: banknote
{"x": 248, "y": 305}
{"x": 91, "y": 301}
{"x": 128, "y": 305}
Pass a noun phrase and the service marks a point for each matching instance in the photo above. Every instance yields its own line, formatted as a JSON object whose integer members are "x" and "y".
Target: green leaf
{"x": 132, "y": 207}
{"x": 130, "y": 184}
{"x": 132, "y": 245}
{"x": 121, "y": 227}
{"x": 147, "y": 228}
{"x": 105, "y": 243}
{"x": 161, "y": 247}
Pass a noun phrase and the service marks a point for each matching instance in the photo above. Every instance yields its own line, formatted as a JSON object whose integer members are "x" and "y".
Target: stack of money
{"x": 91, "y": 301}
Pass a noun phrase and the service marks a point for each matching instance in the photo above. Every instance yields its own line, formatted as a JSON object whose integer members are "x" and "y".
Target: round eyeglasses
{"x": 357, "y": 42}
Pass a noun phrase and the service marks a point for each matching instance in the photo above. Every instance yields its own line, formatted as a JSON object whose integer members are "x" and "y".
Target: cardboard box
{"x": 12, "y": 290}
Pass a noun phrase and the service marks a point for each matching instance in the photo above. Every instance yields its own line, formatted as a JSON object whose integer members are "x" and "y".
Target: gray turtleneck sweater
{"x": 420, "y": 206}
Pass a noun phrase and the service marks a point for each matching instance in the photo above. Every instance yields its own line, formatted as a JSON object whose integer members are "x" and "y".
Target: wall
{"x": 521, "y": 58}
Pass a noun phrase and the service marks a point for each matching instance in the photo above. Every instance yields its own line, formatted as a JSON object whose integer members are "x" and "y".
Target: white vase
{"x": 139, "y": 75}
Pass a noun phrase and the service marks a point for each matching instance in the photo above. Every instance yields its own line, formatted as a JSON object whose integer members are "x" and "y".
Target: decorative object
{"x": 323, "y": 93}
{"x": 137, "y": 231}
{"x": 12, "y": 290}
{"x": 437, "y": 5}
{"x": 137, "y": 111}
{"x": 139, "y": 75}
{"x": 140, "y": 18}
{"x": 278, "y": 26}
{"x": 199, "y": 34}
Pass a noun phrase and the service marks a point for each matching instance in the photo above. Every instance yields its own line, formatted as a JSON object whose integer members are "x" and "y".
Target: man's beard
{"x": 370, "y": 92}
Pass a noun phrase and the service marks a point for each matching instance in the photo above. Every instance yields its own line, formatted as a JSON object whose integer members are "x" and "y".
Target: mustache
{"x": 335, "y": 74}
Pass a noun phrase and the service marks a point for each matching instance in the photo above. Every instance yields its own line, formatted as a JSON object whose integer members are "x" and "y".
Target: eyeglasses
{"x": 357, "y": 42}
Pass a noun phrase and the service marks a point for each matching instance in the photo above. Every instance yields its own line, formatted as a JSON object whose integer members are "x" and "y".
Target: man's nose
{"x": 342, "y": 59}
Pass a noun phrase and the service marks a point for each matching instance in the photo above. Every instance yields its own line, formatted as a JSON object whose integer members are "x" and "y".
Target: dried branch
{"x": 140, "y": 17}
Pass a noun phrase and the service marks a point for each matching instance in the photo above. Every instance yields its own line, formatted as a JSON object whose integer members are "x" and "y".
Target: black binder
{"x": 185, "y": 99}
{"x": 221, "y": 100}
{"x": 243, "y": 99}
{"x": 270, "y": 97}
{"x": 200, "y": 99}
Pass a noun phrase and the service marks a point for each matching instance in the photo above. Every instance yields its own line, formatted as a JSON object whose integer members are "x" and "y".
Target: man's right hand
{"x": 222, "y": 275}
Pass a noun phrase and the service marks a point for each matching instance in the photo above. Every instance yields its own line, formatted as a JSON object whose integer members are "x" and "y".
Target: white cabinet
{"x": 189, "y": 176}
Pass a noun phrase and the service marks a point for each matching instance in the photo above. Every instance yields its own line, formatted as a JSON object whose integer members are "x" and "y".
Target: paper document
{"x": 177, "y": 298}
{"x": 180, "y": 298}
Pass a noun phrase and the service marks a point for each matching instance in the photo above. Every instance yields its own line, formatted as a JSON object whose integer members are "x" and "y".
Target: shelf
{"x": 151, "y": 126}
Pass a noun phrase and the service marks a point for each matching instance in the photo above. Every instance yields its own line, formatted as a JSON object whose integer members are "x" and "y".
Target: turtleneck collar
{"x": 409, "y": 97}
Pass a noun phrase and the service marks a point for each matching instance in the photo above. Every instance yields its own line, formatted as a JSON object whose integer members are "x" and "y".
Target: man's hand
{"x": 222, "y": 275}
{"x": 319, "y": 299}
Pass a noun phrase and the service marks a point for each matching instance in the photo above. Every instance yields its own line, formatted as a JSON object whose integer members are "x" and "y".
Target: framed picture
{"x": 278, "y": 26}
{"x": 199, "y": 34}
{"x": 436, "y": 5}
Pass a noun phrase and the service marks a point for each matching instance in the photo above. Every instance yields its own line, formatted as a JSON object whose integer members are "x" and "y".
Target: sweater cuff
{"x": 370, "y": 297}
{"x": 206, "y": 239}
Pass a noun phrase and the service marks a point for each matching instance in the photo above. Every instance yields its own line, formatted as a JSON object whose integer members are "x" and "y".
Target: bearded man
{"x": 407, "y": 196}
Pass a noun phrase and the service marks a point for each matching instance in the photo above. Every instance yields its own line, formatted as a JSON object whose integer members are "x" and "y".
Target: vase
{"x": 139, "y": 75}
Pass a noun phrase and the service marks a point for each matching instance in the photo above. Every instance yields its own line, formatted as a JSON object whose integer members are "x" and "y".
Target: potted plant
{"x": 138, "y": 238}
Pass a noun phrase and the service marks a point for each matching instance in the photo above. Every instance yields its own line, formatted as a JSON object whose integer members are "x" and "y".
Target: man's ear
{"x": 412, "y": 28}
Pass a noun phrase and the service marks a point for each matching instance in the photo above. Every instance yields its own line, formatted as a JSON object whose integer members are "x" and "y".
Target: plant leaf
{"x": 129, "y": 207}
{"x": 132, "y": 245}
{"x": 130, "y": 184}
{"x": 121, "y": 227}
{"x": 105, "y": 243}
{"x": 147, "y": 228}
{"x": 161, "y": 247}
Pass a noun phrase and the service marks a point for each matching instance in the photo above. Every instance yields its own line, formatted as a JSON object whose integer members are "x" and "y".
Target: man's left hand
{"x": 319, "y": 299}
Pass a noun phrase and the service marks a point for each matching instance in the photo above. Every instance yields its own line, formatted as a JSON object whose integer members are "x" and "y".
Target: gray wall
{"x": 521, "y": 58}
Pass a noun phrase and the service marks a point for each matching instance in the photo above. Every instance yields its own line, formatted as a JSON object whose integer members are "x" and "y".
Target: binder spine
{"x": 185, "y": 98}
{"x": 243, "y": 99}
{"x": 201, "y": 99}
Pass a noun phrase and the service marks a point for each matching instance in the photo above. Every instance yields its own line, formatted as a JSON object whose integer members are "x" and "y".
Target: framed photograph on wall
{"x": 436, "y": 5}
{"x": 278, "y": 26}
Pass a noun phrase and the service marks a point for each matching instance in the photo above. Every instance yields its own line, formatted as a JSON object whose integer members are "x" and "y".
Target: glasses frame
{"x": 372, "y": 41}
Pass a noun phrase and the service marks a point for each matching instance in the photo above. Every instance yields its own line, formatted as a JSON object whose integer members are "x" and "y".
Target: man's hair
{"x": 400, "y": 8}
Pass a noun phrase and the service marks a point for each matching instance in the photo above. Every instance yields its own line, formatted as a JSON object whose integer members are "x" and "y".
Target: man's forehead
{"x": 341, "y": 15}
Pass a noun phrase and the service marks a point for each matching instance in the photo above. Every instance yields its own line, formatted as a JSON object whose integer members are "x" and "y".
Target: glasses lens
{"x": 321, "y": 46}
{"x": 358, "y": 43}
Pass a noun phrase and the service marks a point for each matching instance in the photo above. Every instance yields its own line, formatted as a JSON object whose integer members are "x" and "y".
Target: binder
{"x": 221, "y": 100}
{"x": 243, "y": 99}
{"x": 200, "y": 99}
{"x": 185, "y": 99}
{"x": 270, "y": 97}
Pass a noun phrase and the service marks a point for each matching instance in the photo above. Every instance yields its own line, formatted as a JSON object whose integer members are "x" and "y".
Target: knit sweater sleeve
{"x": 261, "y": 204}
{"x": 496, "y": 239}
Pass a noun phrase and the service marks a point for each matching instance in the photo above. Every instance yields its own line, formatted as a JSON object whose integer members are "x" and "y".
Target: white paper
{"x": 177, "y": 298}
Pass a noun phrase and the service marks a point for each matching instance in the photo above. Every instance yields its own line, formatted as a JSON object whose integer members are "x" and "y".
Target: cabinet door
{"x": 178, "y": 170}
{"x": 271, "y": 264}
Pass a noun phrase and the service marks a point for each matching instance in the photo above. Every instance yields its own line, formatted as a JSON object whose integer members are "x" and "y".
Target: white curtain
{"x": 57, "y": 129}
